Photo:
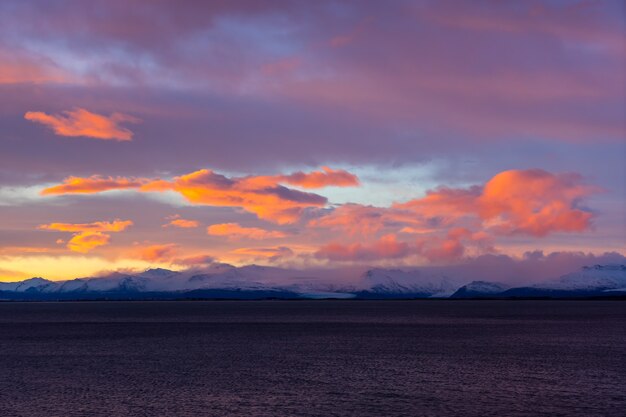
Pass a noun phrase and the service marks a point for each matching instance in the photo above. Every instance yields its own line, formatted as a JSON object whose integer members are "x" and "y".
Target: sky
{"x": 309, "y": 134}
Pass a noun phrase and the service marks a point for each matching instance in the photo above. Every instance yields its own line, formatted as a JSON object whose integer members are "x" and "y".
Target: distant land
{"x": 223, "y": 281}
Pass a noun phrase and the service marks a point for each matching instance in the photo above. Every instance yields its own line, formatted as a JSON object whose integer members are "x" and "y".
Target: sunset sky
{"x": 308, "y": 133}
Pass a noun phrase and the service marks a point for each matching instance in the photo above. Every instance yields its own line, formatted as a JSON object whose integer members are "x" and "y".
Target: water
{"x": 313, "y": 358}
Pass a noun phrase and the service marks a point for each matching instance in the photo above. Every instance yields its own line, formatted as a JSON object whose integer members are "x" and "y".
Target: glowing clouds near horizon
{"x": 444, "y": 225}
{"x": 88, "y": 236}
{"x": 81, "y": 122}
{"x": 448, "y": 221}
{"x": 264, "y": 196}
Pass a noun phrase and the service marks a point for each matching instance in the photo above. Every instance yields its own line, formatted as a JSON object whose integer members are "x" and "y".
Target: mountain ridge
{"x": 254, "y": 281}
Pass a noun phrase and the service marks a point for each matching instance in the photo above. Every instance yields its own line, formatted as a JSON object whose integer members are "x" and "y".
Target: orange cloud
{"x": 535, "y": 202}
{"x": 532, "y": 202}
{"x": 88, "y": 236}
{"x": 158, "y": 253}
{"x": 235, "y": 231}
{"x": 270, "y": 254}
{"x": 319, "y": 179}
{"x": 176, "y": 221}
{"x": 388, "y": 247}
{"x": 355, "y": 219}
{"x": 264, "y": 196}
{"x": 86, "y": 241}
{"x": 114, "y": 226}
{"x": 93, "y": 184}
{"x": 80, "y": 122}
{"x": 453, "y": 223}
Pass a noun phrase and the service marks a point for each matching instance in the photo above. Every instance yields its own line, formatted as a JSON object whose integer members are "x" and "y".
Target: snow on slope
{"x": 480, "y": 289}
{"x": 397, "y": 281}
{"x": 597, "y": 277}
{"x": 28, "y": 284}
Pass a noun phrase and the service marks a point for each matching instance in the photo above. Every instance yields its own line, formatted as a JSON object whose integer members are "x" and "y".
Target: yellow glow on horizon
{"x": 58, "y": 268}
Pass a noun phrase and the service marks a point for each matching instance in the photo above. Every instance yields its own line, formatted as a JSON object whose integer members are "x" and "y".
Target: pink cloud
{"x": 80, "y": 122}
{"x": 158, "y": 252}
{"x": 388, "y": 247}
{"x": 319, "y": 179}
{"x": 234, "y": 231}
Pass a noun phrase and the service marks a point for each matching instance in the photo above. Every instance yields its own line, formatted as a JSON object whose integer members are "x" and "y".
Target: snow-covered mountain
{"x": 253, "y": 281}
{"x": 589, "y": 281}
{"x": 480, "y": 289}
{"x": 597, "y": 280}
{"x": 597, "y": 277}
{"x": 401, "y": 283}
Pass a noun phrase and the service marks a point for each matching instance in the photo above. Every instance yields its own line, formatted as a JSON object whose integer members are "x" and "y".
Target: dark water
{"x": 313, "y": 358}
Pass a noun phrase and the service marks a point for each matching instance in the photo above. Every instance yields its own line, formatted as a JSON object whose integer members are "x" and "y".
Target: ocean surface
{"x": 313, "y": 358}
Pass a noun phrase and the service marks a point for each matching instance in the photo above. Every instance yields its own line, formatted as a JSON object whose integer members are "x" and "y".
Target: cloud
{"x": 234, "y": 231}
{"x": 388, "y": 247}
{"x": 271, "y": 254}
{"x": 355, "y": 219}
{"x": 532, "y": 202}
{"x": 93, "y": 184}
{"x": 454, "y": 223}
{"x": 20, "y": 66}
{"x": 88, "y": 236}
{"x": 264, "y": 196}
{"x": 114, "y": 226}
{"x": 531, "y": 267}
{"x": 80, "y": 122}
{"x": 196, "y": 260}
{"x": 529, "y": 202}
{"x": 454, "y": 245}
{"x": 320, "y": 179}
{"x": 158, "y": 253}
{"x": 84, "y": 242}
{"x": 535, "y": 202}
{"x": 176, "y": 221}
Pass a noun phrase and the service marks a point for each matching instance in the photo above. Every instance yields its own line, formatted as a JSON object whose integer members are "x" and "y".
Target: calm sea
{"x": 313, "y": 358}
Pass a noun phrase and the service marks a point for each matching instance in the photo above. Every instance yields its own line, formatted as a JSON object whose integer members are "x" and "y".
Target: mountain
{"x": 256, "y": 282}
{"x": 396, "y": 283}
{"x": 589, "y": 281}
{"x": 31, "y": 284}
{"x": 480, "y": 289}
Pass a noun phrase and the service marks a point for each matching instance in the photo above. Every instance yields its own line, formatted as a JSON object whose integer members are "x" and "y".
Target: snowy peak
{"x": 158, "y": 273}
{"x": 397, "y": 281}
{"x": 600, "y": 277}
{"x": 31, "y": 284}
{"x": 478, "y": 289}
